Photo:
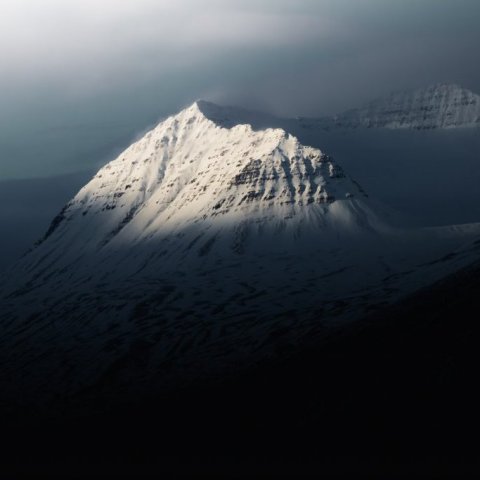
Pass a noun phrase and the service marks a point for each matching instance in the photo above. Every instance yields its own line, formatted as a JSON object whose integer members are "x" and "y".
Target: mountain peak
{"x": 224, "y": 116}
{"x": 205, "y": 106}
{"x": 228, "y": 116}
{"x": 193, "y": 111}
{"x": 206, "y": 166}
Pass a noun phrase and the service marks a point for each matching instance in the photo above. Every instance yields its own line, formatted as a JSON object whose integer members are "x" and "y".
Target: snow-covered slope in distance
{"x": 437, "y": 106}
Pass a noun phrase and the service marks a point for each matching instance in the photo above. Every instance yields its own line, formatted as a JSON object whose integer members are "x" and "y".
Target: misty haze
{"x": 239, "y": 238}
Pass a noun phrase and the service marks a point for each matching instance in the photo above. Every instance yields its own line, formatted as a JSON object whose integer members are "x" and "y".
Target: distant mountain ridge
{"x": 435, "y": 107}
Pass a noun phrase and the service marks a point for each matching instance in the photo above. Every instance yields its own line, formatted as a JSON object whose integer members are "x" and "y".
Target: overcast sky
{"x": 80, "y": 78}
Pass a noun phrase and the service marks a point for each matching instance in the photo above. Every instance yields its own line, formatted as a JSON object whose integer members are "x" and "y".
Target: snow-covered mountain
{"x": 435, "y": 107}
{"x": 190, "y": 174}
{"x": 206, "y": 245}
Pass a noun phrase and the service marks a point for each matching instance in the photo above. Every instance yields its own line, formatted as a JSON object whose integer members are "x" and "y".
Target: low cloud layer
{"x": 80, "y": 78}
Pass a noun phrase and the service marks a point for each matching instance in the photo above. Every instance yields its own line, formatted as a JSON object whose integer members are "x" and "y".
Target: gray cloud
{"x": 80, "y": 78}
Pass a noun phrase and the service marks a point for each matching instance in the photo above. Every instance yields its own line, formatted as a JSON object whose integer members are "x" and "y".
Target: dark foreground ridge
{"x": 396, "y": 395}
